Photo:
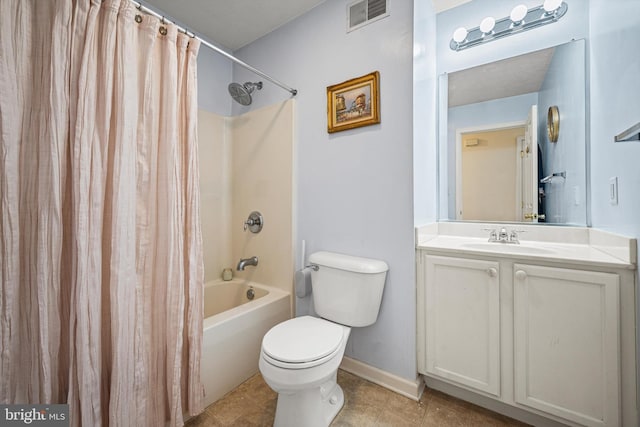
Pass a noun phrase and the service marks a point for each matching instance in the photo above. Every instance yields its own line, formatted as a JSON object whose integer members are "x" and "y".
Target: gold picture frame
{"x": 354, "y": 103}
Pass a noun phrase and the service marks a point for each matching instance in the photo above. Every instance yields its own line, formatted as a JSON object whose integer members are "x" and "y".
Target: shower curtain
{"x": 101, "y": 265}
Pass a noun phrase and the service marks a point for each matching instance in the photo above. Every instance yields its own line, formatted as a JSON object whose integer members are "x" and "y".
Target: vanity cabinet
{"x": 566, "y": 343}
{"x": 463, "y": 321}
{"x": 540, "y": 337}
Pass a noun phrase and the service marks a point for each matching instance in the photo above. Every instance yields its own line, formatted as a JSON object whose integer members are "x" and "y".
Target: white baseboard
{"x": 411, "y": 389}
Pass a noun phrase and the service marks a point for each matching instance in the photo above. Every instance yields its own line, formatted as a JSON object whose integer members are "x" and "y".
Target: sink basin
{"x": 508, "y": 248}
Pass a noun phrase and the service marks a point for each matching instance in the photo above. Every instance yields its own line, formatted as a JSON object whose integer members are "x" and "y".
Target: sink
{"x": 508, "y": 248}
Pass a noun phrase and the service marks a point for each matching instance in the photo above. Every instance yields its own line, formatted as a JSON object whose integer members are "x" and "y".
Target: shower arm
{"x": 243, "y": 64}
{"x": 146, "y": 9}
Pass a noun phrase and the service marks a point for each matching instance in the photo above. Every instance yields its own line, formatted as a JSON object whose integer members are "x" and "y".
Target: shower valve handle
{"x": 249, "y": 223}
{"x": 254, "y": 223}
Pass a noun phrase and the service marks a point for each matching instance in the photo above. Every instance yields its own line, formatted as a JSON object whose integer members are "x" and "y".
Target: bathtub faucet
{"x": 247, "y": 261}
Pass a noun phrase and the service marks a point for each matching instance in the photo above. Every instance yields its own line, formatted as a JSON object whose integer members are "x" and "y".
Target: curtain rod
{"x": 215, "y": 48}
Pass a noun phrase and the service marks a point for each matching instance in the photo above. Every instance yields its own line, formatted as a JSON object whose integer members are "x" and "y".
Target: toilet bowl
{"x": 299, "y": 358}
{"x": 304, "y": 375}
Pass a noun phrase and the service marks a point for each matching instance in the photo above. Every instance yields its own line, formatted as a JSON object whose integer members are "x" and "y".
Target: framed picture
{"x": 354, "y": 103}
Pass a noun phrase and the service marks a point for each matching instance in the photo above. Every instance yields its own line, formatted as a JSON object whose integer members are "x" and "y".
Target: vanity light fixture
{"x": 550, "y": 6}
{"x": 487, "y": 25}
{"x": 520, "y": 19}
{"x": 460, "y": 34}
{"x": 518, "y": 13}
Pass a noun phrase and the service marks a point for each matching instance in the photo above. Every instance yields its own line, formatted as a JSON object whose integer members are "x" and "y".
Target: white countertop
{"x": 577, "y": 245}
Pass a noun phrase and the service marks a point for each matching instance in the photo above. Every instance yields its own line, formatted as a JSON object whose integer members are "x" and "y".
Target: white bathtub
{"x": 233, "y": 331}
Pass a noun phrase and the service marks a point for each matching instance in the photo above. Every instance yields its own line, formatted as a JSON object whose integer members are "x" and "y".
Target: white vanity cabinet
{"x": 554, "y": 339}
{"x": 462, "y": 298}
{"x": 566, "y": 343}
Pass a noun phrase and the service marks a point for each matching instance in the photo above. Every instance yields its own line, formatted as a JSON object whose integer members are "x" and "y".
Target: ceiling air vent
{"x": 364, "y": 12}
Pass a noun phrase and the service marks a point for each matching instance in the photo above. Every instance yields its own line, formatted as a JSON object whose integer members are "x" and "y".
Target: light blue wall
{"x": 214, "y": 74}
{"x": 354, "y": 188}
{"x": 615, "y": 106}
{"x": 425, "y": 113}
{"x": 564, "y": 86}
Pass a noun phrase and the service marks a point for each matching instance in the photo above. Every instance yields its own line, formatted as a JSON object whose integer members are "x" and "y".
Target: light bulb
{"x": 551, "y": 5}
{"x": 487, "y": 24}
{"x": 518, "y": 13}
{"x": 460, "y": 34}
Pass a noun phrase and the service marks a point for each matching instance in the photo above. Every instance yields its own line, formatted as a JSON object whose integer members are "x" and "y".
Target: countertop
{"x": 575, "y": 245}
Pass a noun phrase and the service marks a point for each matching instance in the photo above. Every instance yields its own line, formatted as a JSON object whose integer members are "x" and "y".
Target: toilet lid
{"x": 302, "y": 339}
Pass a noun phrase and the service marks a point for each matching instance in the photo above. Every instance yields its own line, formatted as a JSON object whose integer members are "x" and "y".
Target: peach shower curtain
{"x": 100, "y": 247}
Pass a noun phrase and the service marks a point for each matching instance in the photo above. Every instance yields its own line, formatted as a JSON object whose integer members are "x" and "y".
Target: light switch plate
{"x": 613, "y": 190}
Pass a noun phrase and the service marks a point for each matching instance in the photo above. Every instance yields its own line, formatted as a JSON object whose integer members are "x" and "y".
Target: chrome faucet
{"x": 246, "y": 261}
{"x": 503, "y": 236}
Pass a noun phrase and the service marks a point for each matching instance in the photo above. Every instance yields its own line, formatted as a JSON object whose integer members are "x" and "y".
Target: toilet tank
{"x": 347, "y": 289}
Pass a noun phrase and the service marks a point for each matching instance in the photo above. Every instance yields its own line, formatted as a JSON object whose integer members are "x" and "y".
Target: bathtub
{"x": 233, "y": 330}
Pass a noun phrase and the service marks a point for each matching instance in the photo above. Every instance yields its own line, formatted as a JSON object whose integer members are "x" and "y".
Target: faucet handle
{"x": 493, "y": 234}
{"x": 513, "y": 235}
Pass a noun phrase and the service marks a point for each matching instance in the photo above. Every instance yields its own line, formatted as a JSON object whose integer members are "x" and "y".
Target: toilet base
{"x": 315, "y": 407}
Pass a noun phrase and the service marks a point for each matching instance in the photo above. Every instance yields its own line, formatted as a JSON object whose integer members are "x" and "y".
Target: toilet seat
{"x": 302, "y": 342}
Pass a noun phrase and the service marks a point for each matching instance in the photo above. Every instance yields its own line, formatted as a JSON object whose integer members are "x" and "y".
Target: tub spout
{"x": 247, "y": 261}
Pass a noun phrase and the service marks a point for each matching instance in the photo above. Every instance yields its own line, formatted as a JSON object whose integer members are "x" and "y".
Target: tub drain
{"x": 251, "y": 294}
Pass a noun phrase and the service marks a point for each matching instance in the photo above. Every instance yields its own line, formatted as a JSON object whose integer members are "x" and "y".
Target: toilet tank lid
{"x": 348, "y": 262}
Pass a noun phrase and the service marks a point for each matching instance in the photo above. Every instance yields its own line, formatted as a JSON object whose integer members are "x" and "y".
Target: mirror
{"x": 497, "y": 162}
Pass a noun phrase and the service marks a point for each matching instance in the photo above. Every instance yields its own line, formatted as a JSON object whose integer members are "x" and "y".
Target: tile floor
{"x": 253, "y": 403}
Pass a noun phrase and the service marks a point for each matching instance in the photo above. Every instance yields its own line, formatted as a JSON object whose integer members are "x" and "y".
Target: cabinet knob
{"x": 521, "y": 275}
{"x": 492, "y": 272}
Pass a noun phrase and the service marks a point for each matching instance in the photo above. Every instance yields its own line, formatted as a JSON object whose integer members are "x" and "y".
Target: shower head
{"x": 242, "y": 93}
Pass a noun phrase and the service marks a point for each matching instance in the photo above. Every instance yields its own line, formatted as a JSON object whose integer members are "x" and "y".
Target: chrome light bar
{"x": 517, "y": 22}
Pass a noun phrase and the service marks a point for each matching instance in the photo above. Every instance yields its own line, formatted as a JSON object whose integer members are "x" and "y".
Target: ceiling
{"x": 232, "y": 24}
{"x": 509, "y": 77}
{"x": 442, "y": 5}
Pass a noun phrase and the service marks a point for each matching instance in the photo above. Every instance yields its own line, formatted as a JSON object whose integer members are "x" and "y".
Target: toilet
{"x": 300, "y": 357}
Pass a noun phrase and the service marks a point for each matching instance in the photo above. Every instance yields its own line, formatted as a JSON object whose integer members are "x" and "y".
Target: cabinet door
{"x": 463, "y": 321}
{"x": 567, "y": 343}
